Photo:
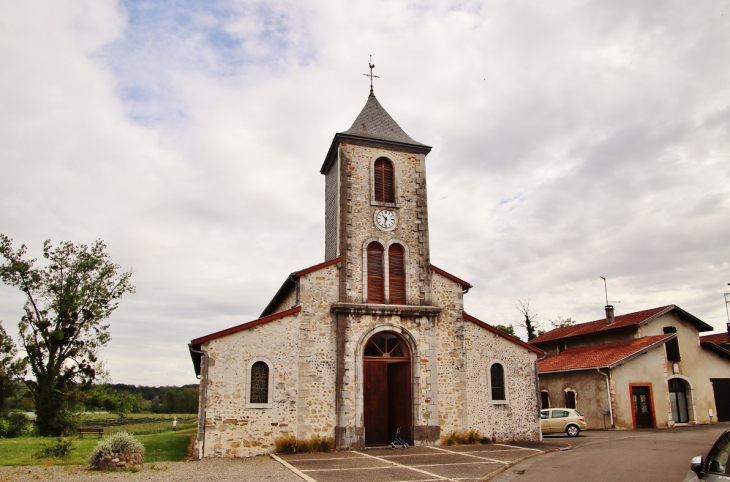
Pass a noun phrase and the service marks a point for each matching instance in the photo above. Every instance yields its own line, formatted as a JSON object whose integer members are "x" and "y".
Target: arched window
{"x": 259, "y": 383}
{"x": 570, "y": 399}
{"x": 496, "y": 379}
{"x": 376, "y": 268}
{"x": 396, "y": 275}
{"x": 384, "y": 181}
{"x": 386, "y": 345}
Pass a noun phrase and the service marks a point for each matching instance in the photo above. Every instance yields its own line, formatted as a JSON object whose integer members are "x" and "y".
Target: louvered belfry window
{"x": 384, "y": 181}
{"x": 396, "y": 275}
{"x": 376, "y": 268}
{"x": 259, "y": 383}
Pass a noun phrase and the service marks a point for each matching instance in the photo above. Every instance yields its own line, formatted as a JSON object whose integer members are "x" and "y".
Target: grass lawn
{"x": 159, "y": 447}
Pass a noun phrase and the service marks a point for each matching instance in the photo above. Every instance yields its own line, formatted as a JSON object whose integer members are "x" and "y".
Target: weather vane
{"x": 372, "y": 66}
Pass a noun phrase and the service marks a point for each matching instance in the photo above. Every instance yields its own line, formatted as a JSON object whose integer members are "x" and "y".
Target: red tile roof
{"x": 600, "y": 356}
{"x": 620, "y": 321}
{"x": 717, "y": 338}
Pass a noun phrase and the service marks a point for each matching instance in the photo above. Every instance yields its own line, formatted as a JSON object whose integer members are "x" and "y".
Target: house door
{"x": 387, "y": 389}
{"x": 721, "y": 387}
{"x": 642, "y": 405}
{"x": 678, "y": 400}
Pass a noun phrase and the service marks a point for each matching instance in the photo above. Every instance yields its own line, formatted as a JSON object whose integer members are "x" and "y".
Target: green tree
{"x": 63, "y": 327}
{"x": 559, "y": 322}
{"x": 530, "y": 323}
{"x": 510, "y": 330}
{"x": 170, "y": 405}
{"x": 119, "y": 403}
{"x": 11, "y": 367}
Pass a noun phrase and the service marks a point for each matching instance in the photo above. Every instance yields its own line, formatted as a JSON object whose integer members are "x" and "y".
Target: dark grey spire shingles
{"x": 375, "y": 123}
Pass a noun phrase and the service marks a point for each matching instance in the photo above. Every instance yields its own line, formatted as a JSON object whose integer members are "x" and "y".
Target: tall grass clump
{"x": 462, "y": 437}
{"x": 292, "y": 445}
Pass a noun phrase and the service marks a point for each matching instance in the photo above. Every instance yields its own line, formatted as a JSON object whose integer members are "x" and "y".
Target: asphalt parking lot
{"x": 426, "y": 463}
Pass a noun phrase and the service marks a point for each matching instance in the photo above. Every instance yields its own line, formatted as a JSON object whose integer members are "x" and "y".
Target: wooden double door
{"x": 387, "y": 400}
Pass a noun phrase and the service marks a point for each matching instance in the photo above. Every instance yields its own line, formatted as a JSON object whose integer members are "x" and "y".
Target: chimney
{"x": 609, "y": 315}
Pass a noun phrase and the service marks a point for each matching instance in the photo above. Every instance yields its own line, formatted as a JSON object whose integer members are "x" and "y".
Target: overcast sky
{"x": 571, "y": 140}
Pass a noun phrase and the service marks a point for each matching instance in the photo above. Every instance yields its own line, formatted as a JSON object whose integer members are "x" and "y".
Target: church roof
{"x": 494, "y": 330}
{"x": 606, "y": 356}
{"x": 374, "y": 126}
{"x": 621, "y": 321}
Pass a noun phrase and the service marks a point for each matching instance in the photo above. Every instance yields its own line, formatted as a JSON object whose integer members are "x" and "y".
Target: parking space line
{"x": 292, "y": 468}
{"x": 468, "y": 455}
{"x": 438, "y": 477}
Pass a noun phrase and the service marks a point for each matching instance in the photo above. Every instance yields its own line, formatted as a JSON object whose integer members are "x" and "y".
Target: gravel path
{"x": 212, "y": 469}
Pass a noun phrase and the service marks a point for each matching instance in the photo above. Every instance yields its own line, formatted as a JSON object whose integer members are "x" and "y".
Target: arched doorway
{"x": 386, "y": 388}
{"x": 678, "y": 400}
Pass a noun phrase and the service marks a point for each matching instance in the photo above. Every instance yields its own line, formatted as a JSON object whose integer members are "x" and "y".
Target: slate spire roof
{"x": 374, "y": 127}
{"x": 375, "y": 123}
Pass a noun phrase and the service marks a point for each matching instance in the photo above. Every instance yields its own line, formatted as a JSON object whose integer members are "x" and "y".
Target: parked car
{"x": 716, "y": 466}
{"x": 558, "y": 420}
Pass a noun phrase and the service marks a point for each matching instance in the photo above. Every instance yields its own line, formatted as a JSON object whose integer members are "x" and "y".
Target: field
{"x": 154, "y": 431}
{"x": 139, "y": 423}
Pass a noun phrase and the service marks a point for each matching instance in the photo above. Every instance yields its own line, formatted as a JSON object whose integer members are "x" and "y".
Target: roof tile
{"x": 598, "y": 356}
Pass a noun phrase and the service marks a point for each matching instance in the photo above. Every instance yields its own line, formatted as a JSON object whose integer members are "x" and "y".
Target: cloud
{"x": 571, "y": 140}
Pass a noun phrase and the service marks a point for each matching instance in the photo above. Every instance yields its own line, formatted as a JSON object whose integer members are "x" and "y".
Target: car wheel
{"x": 572, "y": 431}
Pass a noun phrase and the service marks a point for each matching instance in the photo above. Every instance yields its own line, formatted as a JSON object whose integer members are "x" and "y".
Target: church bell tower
{"x": 376, "y": 211}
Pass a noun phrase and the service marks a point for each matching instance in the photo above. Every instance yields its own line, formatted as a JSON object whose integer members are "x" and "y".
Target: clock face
{"x": 385, "y": 219}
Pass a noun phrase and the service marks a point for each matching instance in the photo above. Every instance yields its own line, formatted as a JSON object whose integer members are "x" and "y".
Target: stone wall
{"x": 451, "y": 354}
{"x": 591, "y": 394}
{"x": 231, "y": 429}
{"x": 316, "y": 413}
{"x": 518, "y": 419}
{"x": 410, "y": 208}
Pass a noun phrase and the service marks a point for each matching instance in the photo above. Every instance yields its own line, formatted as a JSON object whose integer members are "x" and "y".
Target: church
{"x": 373, "y": 339}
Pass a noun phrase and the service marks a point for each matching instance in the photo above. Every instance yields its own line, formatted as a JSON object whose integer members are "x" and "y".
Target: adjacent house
{"x": 648, "y": 369}
{"x": 373, "y": 339}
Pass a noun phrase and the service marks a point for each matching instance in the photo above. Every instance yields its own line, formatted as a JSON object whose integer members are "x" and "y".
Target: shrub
{"x": 117, "y": 443}
{"x": 60, "y": 450}
{"x": 15, "y": 424}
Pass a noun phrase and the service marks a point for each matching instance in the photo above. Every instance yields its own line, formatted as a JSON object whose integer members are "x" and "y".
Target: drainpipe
{"x": 608, "y": 390}
{"x": 203, "y": 393}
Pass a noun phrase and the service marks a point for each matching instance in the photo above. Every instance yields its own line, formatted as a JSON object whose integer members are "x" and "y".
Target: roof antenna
{"x": 372, "y": 66}
{"x": 605, "y": 287}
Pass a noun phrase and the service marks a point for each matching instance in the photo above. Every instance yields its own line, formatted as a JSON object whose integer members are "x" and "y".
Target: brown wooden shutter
{"x": 672, "y": 346}
{"x": 384, "y": 181}
{"x": 376, "y": 286}
{"x": 397, "y": 275}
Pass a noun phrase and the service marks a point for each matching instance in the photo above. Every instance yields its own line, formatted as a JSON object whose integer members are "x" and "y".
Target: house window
{"x": 384, "y": 181}
{"x": 561, "y": 346}
{"x": 396, "y": 275}
{"x": 672, "y": 346}
{"x": 259, "y": 383}
{"x": 544, "y": 400}
{"x": 497, "y": 384}
{"x": 376, "y": 268}
{"x": 569, "y": 399}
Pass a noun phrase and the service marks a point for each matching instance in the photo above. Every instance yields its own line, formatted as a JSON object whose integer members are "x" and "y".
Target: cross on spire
{"x": 372, "y": 66}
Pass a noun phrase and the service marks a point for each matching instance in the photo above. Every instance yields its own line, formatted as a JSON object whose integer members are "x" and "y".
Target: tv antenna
{"x": 727, "y": 302}
{"x": 605, "y": 287}
{"x": 372, "y": 66}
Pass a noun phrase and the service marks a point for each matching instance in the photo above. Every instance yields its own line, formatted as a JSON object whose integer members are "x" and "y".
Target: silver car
{"x": 716, "y": 466}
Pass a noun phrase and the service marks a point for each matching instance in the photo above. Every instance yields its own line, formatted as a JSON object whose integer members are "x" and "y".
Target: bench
{"x": 91, "y": 430}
